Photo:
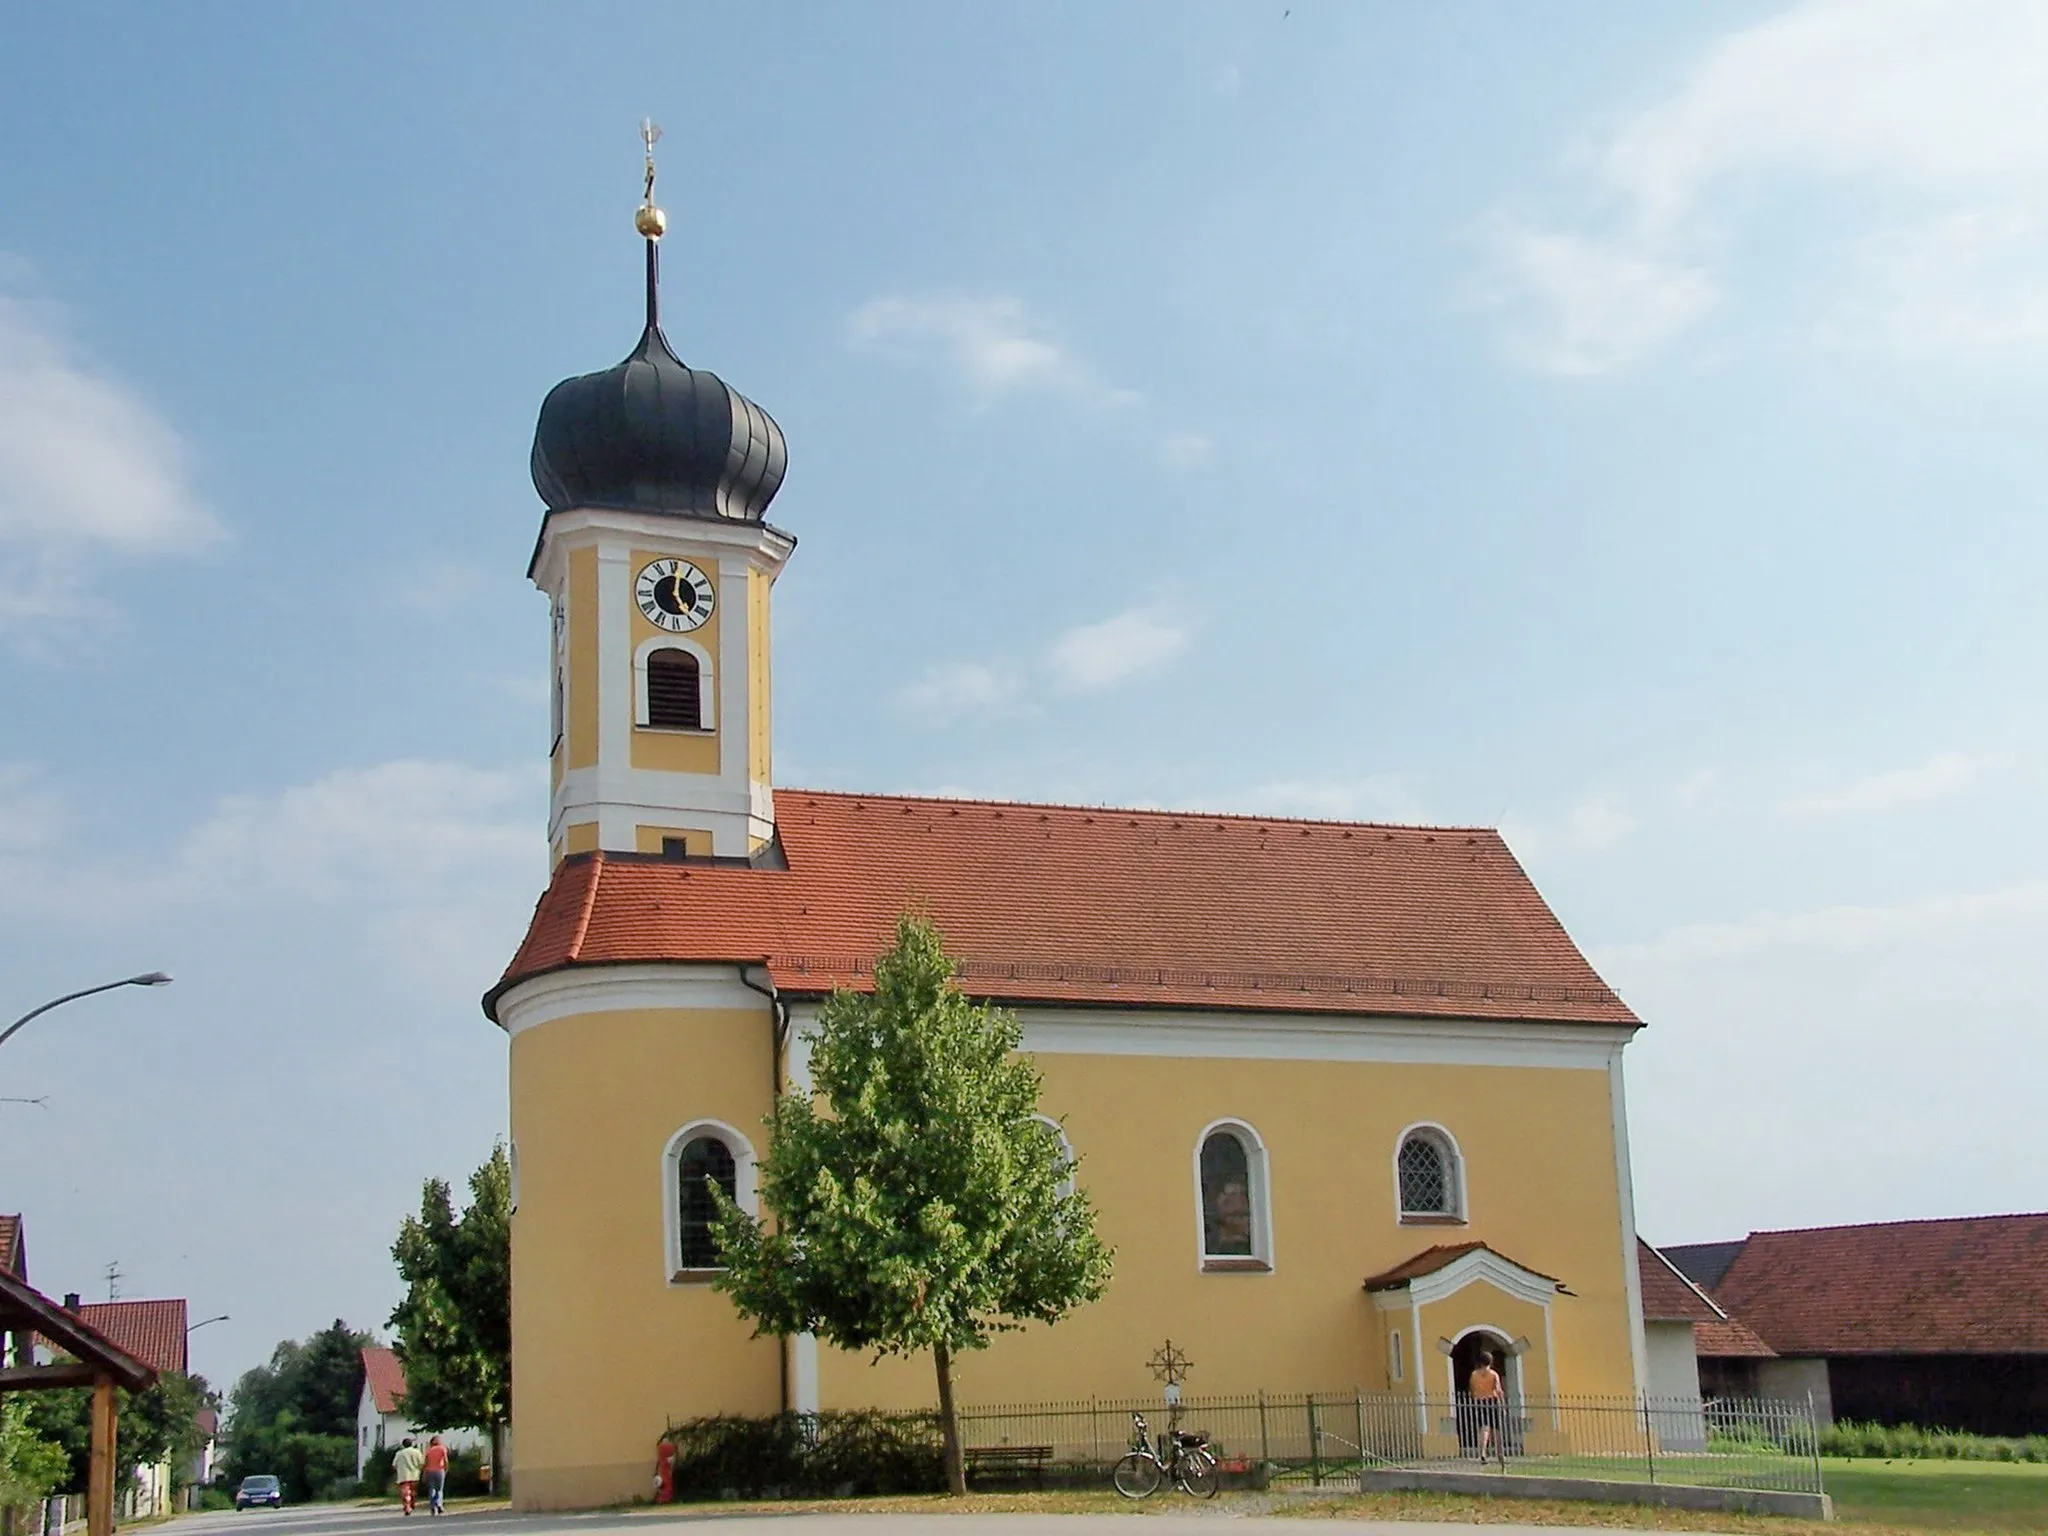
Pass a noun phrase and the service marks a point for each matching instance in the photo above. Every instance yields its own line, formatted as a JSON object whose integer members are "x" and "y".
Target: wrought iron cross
{"x": 650, "y": 135}
{"x": 1170, "y": 1365}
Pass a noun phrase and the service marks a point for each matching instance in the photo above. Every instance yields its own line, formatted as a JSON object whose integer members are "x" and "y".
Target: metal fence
{"x": 1323, "y": 1437}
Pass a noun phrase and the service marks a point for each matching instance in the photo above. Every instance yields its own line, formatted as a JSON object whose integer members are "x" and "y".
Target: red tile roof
{"x": 1064, "y": 904}
{"x": 13, "y": 1254}
{"x": 1728, "y": 1338}
{"x": 384, "y": 1375}
{"x": 1668, "y": 1297}
{"x": 1971, "y": 1285}
{"x": 152, "y": 1331}
{"x": 1432, "y": 1259}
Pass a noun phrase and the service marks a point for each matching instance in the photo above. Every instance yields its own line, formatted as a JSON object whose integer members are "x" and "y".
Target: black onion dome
{"x": 656, "y": 435}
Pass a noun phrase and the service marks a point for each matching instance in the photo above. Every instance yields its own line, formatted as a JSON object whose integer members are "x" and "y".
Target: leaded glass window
{"x": 1226, "y": 1197}
{"x": 704, "y": 1160}
{"x": 1428, "y": 1186}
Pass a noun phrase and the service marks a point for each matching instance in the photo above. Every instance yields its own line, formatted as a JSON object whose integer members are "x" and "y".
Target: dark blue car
{"x": 261, "y": 1489}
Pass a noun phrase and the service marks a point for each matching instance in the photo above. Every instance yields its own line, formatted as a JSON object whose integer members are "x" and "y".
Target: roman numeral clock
{"x": 673, "y": 594}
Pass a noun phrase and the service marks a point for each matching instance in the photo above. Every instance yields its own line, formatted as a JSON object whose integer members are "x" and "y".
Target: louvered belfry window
{"x": 674, "y": 699}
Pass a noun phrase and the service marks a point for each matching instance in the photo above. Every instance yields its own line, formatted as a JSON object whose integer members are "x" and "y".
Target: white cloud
{"x": 956, "y": 687}
{"x": 430, "y": 866}
{"x": 1185, "y": 451}
{"x": 1587, "y": 306}
{"x": 1935, "y": 779}
{"x": 991, "y": 343}
{"x": 1092, "y": 657}
{"x": 1839, "y": 929}
{"x": 87, "y": 468}
{"x": 1942, "y": 109}
{"x": 1595, "y": 824}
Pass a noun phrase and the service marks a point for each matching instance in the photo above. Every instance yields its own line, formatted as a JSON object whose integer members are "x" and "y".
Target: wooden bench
{"x": 1008, "y": 1461}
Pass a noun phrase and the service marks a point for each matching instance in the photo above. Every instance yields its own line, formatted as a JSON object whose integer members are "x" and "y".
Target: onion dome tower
{"x": 658, "y": 561}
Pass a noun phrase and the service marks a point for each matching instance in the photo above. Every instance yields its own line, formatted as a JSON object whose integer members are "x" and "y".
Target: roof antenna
{"x": 652, "y": 224}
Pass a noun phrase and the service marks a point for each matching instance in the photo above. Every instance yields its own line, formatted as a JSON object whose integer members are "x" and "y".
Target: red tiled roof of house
{"x": 384, "y": 1374}
{"x": 1668, "y": 1297}
{"x": 1969, "y": 1285}
{"x": 1434, "y": 1258}
{"x": 13, "y": 1257}
{"x": 152, "y": 1331}
{"x": 1065, "y": 904}
{"x": 1728, "y": 1338}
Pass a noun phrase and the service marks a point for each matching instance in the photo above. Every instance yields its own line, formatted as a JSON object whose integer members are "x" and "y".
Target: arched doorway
{"x": 1465, "y": 1352}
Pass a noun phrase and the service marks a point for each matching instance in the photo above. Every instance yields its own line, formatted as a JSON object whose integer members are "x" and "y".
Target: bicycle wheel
{"x": 1136, "y": 1476}
{"x": 1196, "y": 1474}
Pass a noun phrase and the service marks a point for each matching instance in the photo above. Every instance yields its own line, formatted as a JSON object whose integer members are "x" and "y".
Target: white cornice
{"x": 615, "y": 988}
{"x": 758, "y": 543}
{"x": 1503, "y": 1275}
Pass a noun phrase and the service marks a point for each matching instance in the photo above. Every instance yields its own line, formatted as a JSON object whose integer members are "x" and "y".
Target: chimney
{"x": 71, "y": 1301}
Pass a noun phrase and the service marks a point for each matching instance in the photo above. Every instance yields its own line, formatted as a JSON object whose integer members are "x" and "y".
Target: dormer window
{"x": 675, "y": 700}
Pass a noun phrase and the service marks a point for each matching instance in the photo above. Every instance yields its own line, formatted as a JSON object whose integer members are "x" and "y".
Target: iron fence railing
{"x": 1324, "y": 1437}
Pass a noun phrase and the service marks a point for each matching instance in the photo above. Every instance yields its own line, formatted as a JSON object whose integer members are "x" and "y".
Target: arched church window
{"x": 675, "y": 699}
{"x": 1427, "y": 1172}
{"x": 703, "y": 1161}
{"x": 1230, "y": 1175}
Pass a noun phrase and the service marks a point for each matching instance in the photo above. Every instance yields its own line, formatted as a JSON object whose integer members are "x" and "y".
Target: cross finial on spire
{"x": 651, "y": 222}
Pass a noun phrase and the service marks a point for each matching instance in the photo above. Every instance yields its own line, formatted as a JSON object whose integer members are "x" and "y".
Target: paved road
{"x": 318, "y": 1520}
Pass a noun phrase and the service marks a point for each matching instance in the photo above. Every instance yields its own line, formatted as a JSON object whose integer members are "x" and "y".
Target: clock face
{"x": 674, "y": 594}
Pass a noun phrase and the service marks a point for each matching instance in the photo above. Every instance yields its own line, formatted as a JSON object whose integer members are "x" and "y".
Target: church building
{"x": 1347, "y": 1098}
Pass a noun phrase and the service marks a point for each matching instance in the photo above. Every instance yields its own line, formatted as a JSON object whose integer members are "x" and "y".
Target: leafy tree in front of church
{"x": 454, "y": 1328}
{"x": 295, "y": 1415}
{"x": 917, "y": 1203}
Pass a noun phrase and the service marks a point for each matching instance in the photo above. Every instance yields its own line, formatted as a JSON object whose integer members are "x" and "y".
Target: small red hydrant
{"x": 665, "y": 1471}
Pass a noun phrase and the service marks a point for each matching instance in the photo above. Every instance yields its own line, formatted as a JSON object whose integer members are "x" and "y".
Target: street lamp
{"x": 199, "y": 1325}
{"x": 153, "y": 979}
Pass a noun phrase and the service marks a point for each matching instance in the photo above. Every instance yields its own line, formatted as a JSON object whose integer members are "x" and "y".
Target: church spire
{"x": 652, "y": 224}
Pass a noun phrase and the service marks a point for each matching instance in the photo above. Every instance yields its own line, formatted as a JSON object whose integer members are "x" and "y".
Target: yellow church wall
{"x": 604, "y": 1347}
{"x": 759, "y": 737}
{"x": 583, "y": 647}
{"x": 581, "y": 837}
{"x": 1538, "y": 1152}
{"x": 696, "y": 839}
{"x": 681, "y": 751}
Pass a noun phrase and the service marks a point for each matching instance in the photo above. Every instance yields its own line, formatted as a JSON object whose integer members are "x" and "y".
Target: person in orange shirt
{"x": 437, "y": 1473}
{"x": 1489, "y": 1401}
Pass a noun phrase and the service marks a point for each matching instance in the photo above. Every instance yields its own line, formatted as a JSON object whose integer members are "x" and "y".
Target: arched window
{"x": 704, "y": 1161}
{"x": 1052, "y": 1129}
{"x": 1230, "y": 1177}
{"x": 701, "y": 1154}
{"x": 675, "y": 700}
{"x": 1427, "y": 1172}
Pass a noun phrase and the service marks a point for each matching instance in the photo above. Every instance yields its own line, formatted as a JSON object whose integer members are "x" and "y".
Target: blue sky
{"x": 1620, "y": 424}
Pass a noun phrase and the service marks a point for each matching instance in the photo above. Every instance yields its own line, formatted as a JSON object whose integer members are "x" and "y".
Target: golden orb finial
{"x": 648, "y": 219}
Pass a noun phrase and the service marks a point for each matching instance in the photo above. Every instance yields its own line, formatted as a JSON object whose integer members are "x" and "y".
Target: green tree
{"x": 925, "y": 1207}
{"x": 31, "y": 1466}
{"x": 454, "y": 1327}
{"x": 295, "y": 1417}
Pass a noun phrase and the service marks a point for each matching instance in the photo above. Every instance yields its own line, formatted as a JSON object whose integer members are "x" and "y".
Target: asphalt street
{"x": 329, "y": 1520}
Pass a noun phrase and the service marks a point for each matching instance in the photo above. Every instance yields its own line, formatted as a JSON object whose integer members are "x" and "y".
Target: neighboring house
{"x": 1931, "y": 1322}
{"x": 154, "y": 1333}
{"x": 380, "y": 1410}
{"x": 1291, "y": 1055}
{"x": 1672, "y": 1308}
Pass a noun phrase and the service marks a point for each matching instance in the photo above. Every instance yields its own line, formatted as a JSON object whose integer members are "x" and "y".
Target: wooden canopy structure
{"x": 94, "y": 1361}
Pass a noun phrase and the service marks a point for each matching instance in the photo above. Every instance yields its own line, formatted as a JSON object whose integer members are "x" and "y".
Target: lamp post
{"x": 152, "y": 979}
{"x": 203, "y": 1322}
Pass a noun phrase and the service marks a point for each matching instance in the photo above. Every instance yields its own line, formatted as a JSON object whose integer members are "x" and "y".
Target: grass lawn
{"x": 1997, "y": 1496}
{"x": 1872, "y": 1498}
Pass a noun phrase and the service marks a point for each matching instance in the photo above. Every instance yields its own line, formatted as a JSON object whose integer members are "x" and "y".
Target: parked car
{"x": 261, "y": 1489}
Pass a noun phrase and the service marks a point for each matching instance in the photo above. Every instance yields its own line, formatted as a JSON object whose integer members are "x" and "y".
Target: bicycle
{"x": 1187, "y": 1460}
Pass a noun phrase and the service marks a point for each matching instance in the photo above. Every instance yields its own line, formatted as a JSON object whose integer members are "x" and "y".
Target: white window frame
{"x": 1257, "y": 1166}
{"x": 1067, "y": 1185}
{"x": 1460, "y": 1212}
{"x": 707, "y": 685}
{"x": 746, "y": 1194}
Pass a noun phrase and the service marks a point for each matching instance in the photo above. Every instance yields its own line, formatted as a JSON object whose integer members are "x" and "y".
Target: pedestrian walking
{"x": 1490, "y": 1402}
{"x": 405, "y": 1466}
{"x": 437, "y": 1473}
